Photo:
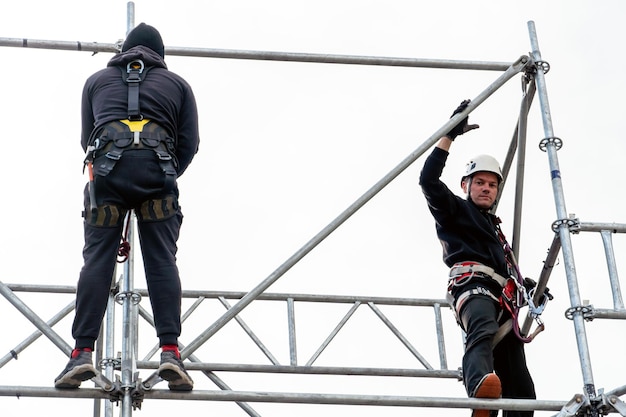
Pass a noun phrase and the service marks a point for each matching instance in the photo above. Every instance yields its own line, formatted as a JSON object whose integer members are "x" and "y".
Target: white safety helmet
{"x": 482, "y": 163}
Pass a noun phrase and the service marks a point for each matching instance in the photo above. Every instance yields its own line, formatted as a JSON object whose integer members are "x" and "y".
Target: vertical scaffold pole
{"x": 607, "y": 240}
{"x": 552, "y": 145}
{"x": 129, "y": 310}
{"x": 521, "y": 130}
{"x": 109, "y": 344}
{"x": 129, "y": 301}
{"x": 130, "y": 16}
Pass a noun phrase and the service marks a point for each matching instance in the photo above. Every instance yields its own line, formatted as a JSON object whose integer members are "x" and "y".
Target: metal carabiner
{"x": 136, "y": 65}
{"x": 535, "y": 311}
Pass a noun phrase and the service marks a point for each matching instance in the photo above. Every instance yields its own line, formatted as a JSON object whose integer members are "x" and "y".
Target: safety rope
{"x": 521, "y": 294}
{"x": 124, "y": 250}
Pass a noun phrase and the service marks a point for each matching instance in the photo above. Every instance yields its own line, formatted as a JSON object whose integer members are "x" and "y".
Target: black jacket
{"x": 164, "y": 97}
{"x": 466, "y": 232}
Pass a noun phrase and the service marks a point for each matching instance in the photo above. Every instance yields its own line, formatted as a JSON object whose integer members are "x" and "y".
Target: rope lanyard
{"x": 520, "y": 294}
{"x": 124, "y": 250}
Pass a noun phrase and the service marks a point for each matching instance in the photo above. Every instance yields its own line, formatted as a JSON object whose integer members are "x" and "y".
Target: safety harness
{"x": 514, "y": 294}
{"x": 106, "y": 146}
{"x": 135, "y": 132}
{"x": 462, "y": 273}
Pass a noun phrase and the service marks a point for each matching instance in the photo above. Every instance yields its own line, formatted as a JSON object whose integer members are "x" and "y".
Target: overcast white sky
{"x": 286, "y": 147}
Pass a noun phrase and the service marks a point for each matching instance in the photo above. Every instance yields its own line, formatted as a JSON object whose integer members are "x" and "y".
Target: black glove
{"x": 530, "y": 284}
{"x": 462, "y": 127}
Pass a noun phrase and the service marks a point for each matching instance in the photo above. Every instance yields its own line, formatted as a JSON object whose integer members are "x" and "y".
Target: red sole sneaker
{"x": 489, "y": 387}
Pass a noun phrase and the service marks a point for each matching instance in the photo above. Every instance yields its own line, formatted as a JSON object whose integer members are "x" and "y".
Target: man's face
{"x": 483, "y": 189}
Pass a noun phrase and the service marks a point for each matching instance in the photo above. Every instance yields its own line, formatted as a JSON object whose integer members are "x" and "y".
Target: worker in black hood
{"x": 140, "y": 133}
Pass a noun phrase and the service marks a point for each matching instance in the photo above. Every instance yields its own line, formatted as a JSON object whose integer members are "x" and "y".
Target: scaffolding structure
{"x": 119, "y": 380}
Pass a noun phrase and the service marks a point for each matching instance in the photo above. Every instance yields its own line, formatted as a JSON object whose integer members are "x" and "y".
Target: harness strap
{"x": 466, "y": 294}
{"x": 129, "y": 137}
{"x": 463, "y": 272}
{"x": 503, "y": 330}
{"x": 119, "y": 136}
{"x": 134, "y": 69}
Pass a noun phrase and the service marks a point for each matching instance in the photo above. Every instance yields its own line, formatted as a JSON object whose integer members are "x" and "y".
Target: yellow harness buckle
{"x": 135, "y": 126}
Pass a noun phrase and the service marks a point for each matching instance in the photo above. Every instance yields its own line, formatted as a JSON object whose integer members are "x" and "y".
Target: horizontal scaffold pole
{"x": 312, "y": 370}
{"x": 234, "y": 295}
{"x": 599, "y": 227}
{"x": 298, "y": 398}
{"x": 265, "y": 55}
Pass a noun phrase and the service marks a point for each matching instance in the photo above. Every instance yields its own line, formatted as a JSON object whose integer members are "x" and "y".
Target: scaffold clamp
{"x": 557, "y": 142}
{"x": 573, "y": 224}
{"x": 612, "y": 402}
{"x": 151, "y": 382}
{"x": 134, "y": 297}
{"x": 113, "y": 389}
{"x": 118, "y": 45}
{"x": 137, "y": 394}
{"x": 544, "y": 65}
{"x": 586, "y": 311}
{"x": 574, "y": 405}
{"x": 114, "y": 362}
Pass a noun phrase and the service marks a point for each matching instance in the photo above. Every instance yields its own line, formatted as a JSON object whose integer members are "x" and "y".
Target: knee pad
{"x": 107, "y": 215}
{"x": 157, "y": 209}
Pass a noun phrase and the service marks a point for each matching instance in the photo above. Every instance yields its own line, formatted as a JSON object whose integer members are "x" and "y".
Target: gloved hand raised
{"x": 462, "y": 127}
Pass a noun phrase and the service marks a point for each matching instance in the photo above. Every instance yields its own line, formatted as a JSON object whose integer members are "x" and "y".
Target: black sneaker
{"x": 78, "y": 369}
{"x": 173, "y": 371}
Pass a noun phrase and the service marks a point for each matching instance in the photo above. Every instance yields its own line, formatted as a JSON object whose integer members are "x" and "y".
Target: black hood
{"x": 145, "y": 35}
{"x": 147, "y": 55}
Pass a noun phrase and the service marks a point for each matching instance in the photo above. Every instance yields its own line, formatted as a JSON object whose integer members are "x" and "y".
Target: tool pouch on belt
{"x": 116, "y": 137}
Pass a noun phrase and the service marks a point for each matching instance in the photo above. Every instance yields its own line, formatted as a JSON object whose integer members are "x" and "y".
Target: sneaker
{"x": 173, "y": 371}
{"x": 78, "y": 369}
{"x": 488, "y": 387}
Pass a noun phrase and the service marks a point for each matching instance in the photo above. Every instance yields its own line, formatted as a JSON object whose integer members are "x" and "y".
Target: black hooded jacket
{"x": 466, "y": 232}
{"x": 164, "y": 97}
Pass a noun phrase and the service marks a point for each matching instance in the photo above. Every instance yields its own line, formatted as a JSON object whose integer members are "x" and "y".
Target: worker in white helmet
{"x": 473, "y": 249}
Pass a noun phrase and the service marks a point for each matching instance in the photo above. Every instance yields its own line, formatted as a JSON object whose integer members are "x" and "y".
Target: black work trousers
{"x": 479, "y": 316}
{"x": 136, "y": 182}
